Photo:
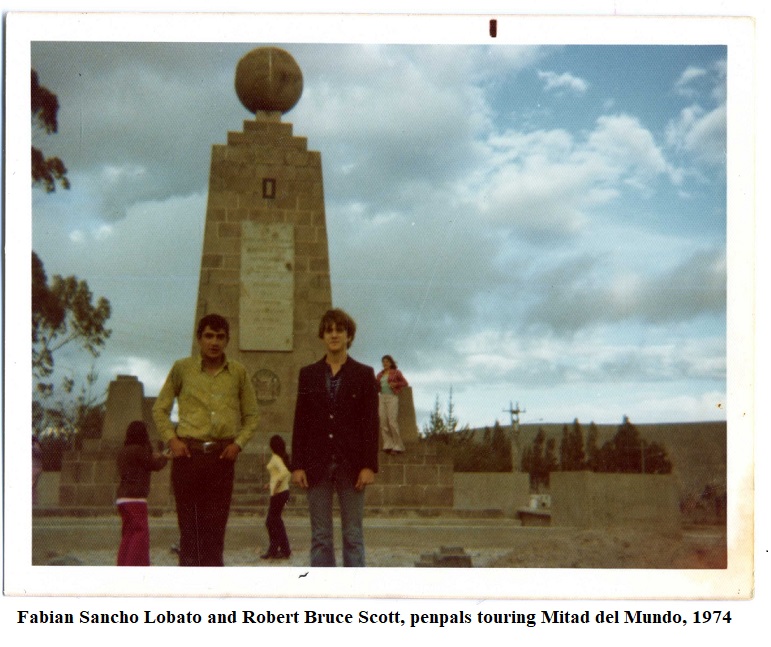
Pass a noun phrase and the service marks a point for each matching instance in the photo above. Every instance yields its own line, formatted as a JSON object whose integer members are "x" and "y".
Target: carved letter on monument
{"x": 266, "y": 319}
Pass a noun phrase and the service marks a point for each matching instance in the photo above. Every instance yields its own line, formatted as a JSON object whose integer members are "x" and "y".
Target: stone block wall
{"x": 589, "y": 499}
{"x": 419, "y": 478}
{"x": 89, "y": 476}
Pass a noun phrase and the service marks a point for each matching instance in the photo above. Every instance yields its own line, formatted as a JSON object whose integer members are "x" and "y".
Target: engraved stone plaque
{"x": 267, "y": 386}
{"x": 266, "y": 313}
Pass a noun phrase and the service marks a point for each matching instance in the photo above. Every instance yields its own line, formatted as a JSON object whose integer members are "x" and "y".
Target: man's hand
{"x": 299, "y": 478}
{"x": 178, "y": 448}
{"x": 366, "y": 477}
{"x": 231, "y": 452}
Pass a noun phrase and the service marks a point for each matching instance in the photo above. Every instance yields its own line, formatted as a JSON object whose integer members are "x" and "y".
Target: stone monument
{"x": 89, "y": 475}
{"x": 265, "y": 261}
{"x": 265, "y": 267}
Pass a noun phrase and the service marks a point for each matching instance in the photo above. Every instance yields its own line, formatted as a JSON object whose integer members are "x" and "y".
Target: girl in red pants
{"x": 136, "y": 462}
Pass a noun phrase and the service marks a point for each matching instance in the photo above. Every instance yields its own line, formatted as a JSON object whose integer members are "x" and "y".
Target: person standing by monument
{"x": 136, "y": 463}
{"x": 217, "y": 417}
{"x": 391, "y": 382}
{"x": 335, "y": 440}
{"x": 278, "y": 487}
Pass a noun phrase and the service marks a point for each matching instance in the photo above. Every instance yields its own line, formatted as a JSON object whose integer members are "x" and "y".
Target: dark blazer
{"x": 353, "y": 422}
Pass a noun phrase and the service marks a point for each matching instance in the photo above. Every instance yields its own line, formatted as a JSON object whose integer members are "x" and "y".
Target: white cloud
{"x": 719, "y": 90}
{"x": 574, "y": 299}
{"x": 387, "y": 147}
{"x": 565, "y": 81}
{"x": 516, "y": 58}
{"x": 705, "y": 82}
{"x": 545, "y": 182}
{"x": 627, "y": 148}
{"x": 510, "y": 357}
{"x": 103, "y": 231}
{"x": 683, "y": 85}
{"x": 700, "y": 133}
{"x": 117, "y": 174}
{"x": 95, "y": 233}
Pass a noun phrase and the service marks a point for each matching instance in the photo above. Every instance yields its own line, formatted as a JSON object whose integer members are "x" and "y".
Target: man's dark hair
{"x": 215, "y": 322}
{"x": 341, "y": 319}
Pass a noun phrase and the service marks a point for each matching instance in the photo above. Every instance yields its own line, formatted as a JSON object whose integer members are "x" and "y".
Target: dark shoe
{"x": 388, "y": 451}
{"x": 271, "y": 554}
{"x": 282, "y": 555}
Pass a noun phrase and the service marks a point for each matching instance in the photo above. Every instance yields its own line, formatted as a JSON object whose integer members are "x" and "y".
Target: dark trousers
{"x": 203, "y": 485}
{"x": 279, "y": 542}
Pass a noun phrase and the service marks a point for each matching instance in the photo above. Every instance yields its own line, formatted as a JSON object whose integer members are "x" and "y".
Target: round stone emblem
{"x": 267, "y": 386}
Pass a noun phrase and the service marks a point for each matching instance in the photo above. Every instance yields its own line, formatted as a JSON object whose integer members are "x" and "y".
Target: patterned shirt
{"x": 211, "y": 407}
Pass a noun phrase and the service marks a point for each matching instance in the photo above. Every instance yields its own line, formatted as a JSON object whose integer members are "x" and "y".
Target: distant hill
{"x": 697, "y": 449}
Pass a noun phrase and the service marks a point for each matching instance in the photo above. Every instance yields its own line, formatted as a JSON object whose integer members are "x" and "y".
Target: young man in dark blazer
{"x": 335, "y": 440}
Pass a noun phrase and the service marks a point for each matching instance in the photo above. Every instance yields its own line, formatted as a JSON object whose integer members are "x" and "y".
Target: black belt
{"x": 206, "y": 446}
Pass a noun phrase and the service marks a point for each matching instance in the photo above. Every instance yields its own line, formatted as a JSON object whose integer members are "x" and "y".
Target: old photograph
{"x": 397, "y": 294}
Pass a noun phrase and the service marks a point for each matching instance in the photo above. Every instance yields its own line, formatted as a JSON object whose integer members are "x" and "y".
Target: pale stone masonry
{"x": 420, "y": 479}
{"x": 266, "y": 176}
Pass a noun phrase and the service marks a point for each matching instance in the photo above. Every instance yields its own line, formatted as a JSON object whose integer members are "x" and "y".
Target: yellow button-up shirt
{"x": 211, "y": 407}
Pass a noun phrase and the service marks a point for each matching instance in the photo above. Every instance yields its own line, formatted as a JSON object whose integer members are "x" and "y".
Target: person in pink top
{"x": 391, "y": 382}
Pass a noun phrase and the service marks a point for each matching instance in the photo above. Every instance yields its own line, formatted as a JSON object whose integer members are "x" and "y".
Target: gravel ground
{"x": 403, "y": 542}
{"x": 618, "y": 548}
{"x": 376, "y": 557}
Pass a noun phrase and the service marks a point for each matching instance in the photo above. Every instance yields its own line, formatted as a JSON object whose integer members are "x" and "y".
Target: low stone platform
{"x": 419, "y": 480}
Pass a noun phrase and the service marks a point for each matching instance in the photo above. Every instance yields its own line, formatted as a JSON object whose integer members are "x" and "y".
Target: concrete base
{"x": 588, "y": 499}
{"x": 48, "y": 490}
{"x": 503, "y": 491}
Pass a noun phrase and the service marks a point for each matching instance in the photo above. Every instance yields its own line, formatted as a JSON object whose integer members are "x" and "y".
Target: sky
{"x": 542, "y": 225}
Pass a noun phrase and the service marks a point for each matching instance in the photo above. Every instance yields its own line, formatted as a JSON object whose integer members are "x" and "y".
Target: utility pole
{"x": 514, "y": 413}
{"x": 515, "y": 449}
